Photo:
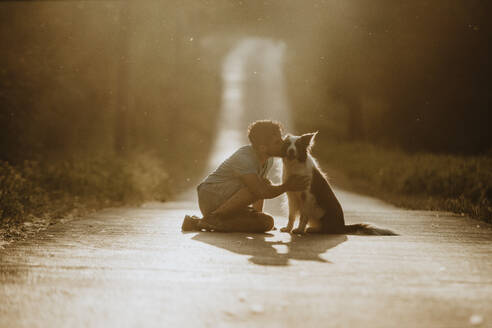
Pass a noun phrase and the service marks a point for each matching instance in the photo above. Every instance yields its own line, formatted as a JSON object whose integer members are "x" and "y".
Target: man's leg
{"x": 245, "y": 220}
{"x": 233, "y": 214}
{"x": 241, "y": 199}
{"x": 224, "y": 217}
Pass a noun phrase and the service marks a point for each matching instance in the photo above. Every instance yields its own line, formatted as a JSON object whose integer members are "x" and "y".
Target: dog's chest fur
{"x": 304, "y": 201}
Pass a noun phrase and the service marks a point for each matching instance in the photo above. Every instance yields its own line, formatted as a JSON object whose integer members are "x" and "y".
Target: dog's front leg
{"x": 292, "y": 218}
{"x": 301, "y": 229}
{"x": 292, "y": 213}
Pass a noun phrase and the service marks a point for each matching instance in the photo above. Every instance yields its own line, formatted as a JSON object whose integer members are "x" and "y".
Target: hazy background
{"x": 83, "y": 78}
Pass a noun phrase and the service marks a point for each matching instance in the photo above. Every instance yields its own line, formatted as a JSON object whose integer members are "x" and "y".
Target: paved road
{"x": 132, "y": 267}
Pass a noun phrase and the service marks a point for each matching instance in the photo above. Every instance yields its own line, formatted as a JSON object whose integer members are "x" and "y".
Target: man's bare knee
{"x": 267, "y": 222}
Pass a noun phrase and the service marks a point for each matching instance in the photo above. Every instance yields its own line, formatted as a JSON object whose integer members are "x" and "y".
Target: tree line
{"x": 85, "y": 78}
{"x": 413, "y": 75}
{"x": 107, "y": 77}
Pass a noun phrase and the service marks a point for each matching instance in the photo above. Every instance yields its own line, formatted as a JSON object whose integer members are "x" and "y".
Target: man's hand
{"x": 296, "y": 183}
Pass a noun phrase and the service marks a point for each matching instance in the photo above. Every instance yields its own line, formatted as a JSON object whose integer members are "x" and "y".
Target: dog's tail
{"x": 367, "y": 229}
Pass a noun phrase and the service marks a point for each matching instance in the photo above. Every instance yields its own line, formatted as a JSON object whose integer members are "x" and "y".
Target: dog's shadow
{"x": 307, "y": 247}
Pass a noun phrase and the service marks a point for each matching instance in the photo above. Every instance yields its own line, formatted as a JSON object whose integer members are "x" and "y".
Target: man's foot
{"x": 210, "y": 222}
{"x": 190, "y": 223}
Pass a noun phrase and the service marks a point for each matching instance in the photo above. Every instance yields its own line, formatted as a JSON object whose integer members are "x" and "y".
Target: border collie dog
{"x": 317, "y": 206}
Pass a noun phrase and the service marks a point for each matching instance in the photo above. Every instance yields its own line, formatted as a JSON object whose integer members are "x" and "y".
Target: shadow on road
{"x": 271, "y": 252}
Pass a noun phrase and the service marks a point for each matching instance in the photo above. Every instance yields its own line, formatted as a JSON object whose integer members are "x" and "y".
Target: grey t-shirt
{"x": 225, "y": 179}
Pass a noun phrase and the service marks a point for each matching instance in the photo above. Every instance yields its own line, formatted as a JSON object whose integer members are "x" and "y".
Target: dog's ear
{"x": 314, "y": 134}
{"x": 307, "y": 139}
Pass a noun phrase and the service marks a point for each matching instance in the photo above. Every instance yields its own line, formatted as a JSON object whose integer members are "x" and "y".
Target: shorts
{"x": 211, "y": 196}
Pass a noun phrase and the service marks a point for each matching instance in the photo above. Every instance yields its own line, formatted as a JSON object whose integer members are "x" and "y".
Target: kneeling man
{"x": 231, "y": 198}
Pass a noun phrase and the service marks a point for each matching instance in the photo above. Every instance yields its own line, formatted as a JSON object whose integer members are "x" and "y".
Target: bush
{"x": 12, "y": 187}
{"x": 419, "y": 180}
{"x": 32, "y": 187}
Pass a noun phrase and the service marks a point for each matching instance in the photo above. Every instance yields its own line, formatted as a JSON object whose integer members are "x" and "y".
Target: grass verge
{"x": 35, "y": 195}
{"x": 417, "y": 181}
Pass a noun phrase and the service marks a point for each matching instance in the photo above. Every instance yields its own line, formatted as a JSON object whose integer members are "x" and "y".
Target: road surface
{"x": 133, "y": 267}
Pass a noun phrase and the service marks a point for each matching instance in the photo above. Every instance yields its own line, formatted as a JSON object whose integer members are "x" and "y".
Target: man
{"x": 226, "y": 194}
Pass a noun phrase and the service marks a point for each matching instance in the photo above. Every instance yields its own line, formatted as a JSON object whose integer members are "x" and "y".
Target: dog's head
{"x": 298, "y": 147}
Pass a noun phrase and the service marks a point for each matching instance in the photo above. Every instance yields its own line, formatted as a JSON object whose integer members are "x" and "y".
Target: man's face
{"x": 275, "y": 146}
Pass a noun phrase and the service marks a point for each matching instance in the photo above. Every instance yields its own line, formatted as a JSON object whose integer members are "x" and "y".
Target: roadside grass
{"x": 34, "y": 195}
{"x": 417, "y": 181}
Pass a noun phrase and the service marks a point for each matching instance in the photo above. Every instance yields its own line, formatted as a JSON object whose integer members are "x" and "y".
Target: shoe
{"x": 190, "y": 223}
{"x": 210, "y": 222}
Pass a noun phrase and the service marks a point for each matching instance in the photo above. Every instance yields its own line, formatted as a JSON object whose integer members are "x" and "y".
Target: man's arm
{"x": 258, "y": 205}
{"x": 260, "y": 188}
{"x": 263, "y": 190}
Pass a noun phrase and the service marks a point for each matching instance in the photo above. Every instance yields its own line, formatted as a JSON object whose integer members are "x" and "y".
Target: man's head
{"x": 266, "y": 136}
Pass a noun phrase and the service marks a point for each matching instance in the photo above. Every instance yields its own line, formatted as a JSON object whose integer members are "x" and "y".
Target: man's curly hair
{"x": 261, "y": 131}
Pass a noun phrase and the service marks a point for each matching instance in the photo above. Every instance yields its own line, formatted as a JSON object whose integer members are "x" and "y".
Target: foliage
{"x": 413, "y": 75}
{"x": 417, "y": 180}
{"x": 32, "y": 187}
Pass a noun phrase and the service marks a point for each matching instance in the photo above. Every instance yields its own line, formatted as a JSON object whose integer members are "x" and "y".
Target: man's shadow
{"x": 307, "y": 247}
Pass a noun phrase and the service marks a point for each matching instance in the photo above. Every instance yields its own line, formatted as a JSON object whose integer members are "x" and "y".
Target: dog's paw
{"x": 285, "y": 229}
{"x": 313, "y": 230}
{"x": 298, "y": 231}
